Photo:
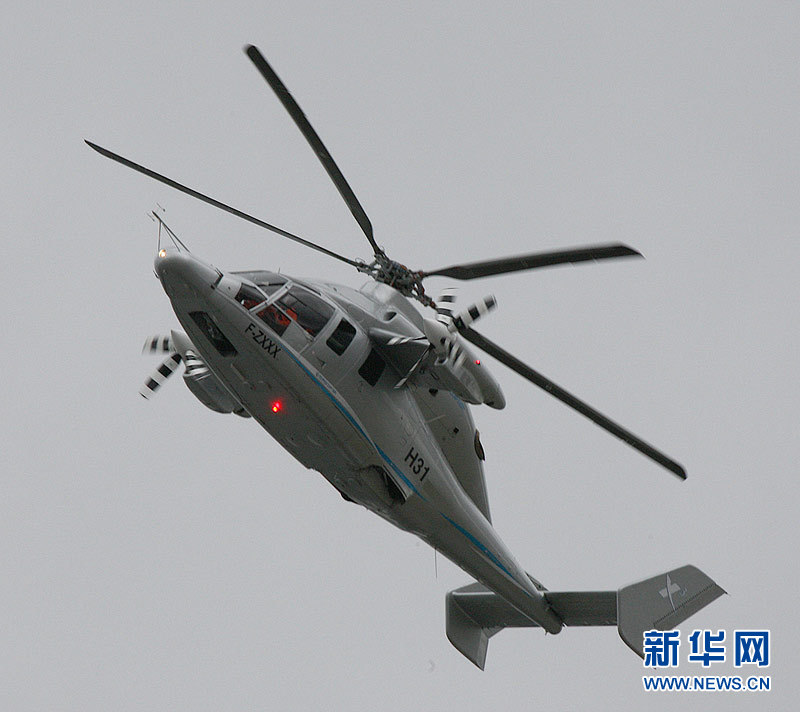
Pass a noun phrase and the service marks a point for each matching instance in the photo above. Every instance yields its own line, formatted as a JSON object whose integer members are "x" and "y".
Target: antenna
{"x": 172, "y": 236}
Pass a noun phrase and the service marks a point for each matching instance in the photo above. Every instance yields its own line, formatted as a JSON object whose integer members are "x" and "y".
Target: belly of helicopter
{"x": 324, "y": 436}
{"x": 291, "y": 399}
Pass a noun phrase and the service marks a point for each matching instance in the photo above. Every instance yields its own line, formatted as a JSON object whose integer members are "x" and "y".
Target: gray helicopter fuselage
{"x": 360, "y": 387}
{"x": 409, "y": 454}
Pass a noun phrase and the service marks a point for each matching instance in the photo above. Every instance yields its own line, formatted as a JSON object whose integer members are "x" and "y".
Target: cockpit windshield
{"x": 268, "y": 282}
{"x": 274, "y": 318}
{"x": 298, "y": 304}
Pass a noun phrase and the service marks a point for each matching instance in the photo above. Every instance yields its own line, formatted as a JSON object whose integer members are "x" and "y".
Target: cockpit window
{"x": 249, "y": 296}
{"x": 341, "y": 337}
{"x": 309, "y": 311}
{"x": 268, "y": 282}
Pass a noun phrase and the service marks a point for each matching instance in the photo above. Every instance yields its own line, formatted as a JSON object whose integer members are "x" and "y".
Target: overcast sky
{"x": 155, "y": 555}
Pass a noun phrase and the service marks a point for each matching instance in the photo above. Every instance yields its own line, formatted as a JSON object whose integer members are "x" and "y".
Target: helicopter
{"x": 359, "y": 386}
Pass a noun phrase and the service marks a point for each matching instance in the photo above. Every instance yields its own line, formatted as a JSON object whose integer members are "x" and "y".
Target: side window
{"x": 249, "y": 297}
{"x": 372, "y": 368}
{"x": 212, "y": 332}
{"x": 274, "y": 318}
{"x": 341, "y": 337}
{"x": 307, "y": 309}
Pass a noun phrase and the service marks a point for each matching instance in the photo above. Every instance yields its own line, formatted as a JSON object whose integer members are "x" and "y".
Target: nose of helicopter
{"x": 176, "y": 269}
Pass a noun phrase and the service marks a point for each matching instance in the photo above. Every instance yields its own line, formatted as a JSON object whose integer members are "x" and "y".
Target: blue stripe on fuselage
{"x": 353, "y": 422}
{"x": 481, "y": 547}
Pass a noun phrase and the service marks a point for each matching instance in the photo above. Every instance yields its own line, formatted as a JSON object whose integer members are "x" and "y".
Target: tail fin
{"x": 662, "y": 602}
{"x": 475, "y": 613}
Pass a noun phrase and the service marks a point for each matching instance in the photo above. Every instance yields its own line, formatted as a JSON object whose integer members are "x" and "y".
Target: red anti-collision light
{"x": 477, "y": 362}
{"x": 277, "y": 406}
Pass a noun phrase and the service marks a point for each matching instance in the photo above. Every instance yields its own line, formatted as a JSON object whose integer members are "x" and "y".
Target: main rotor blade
{"x": 473, "y": 270}
{"x": 565, "y": 397}
{"x": 316, "y": 143}
{"x": 216, "y": 203}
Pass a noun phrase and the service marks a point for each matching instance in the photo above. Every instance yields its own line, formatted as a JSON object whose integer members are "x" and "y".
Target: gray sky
{"x": 155, "y": 555}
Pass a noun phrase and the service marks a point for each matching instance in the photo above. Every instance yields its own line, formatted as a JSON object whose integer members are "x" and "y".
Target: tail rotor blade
{"x": 161, "y": 374}
{"x": 565, "y": 397}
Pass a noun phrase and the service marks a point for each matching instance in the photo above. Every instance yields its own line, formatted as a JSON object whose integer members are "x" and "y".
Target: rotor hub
{"x": 398, "y": 276}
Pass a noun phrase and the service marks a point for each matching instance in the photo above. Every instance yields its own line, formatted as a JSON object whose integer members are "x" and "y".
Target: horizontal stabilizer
{"x": 474, "y": 613}
{"x": 580, "y": 608}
